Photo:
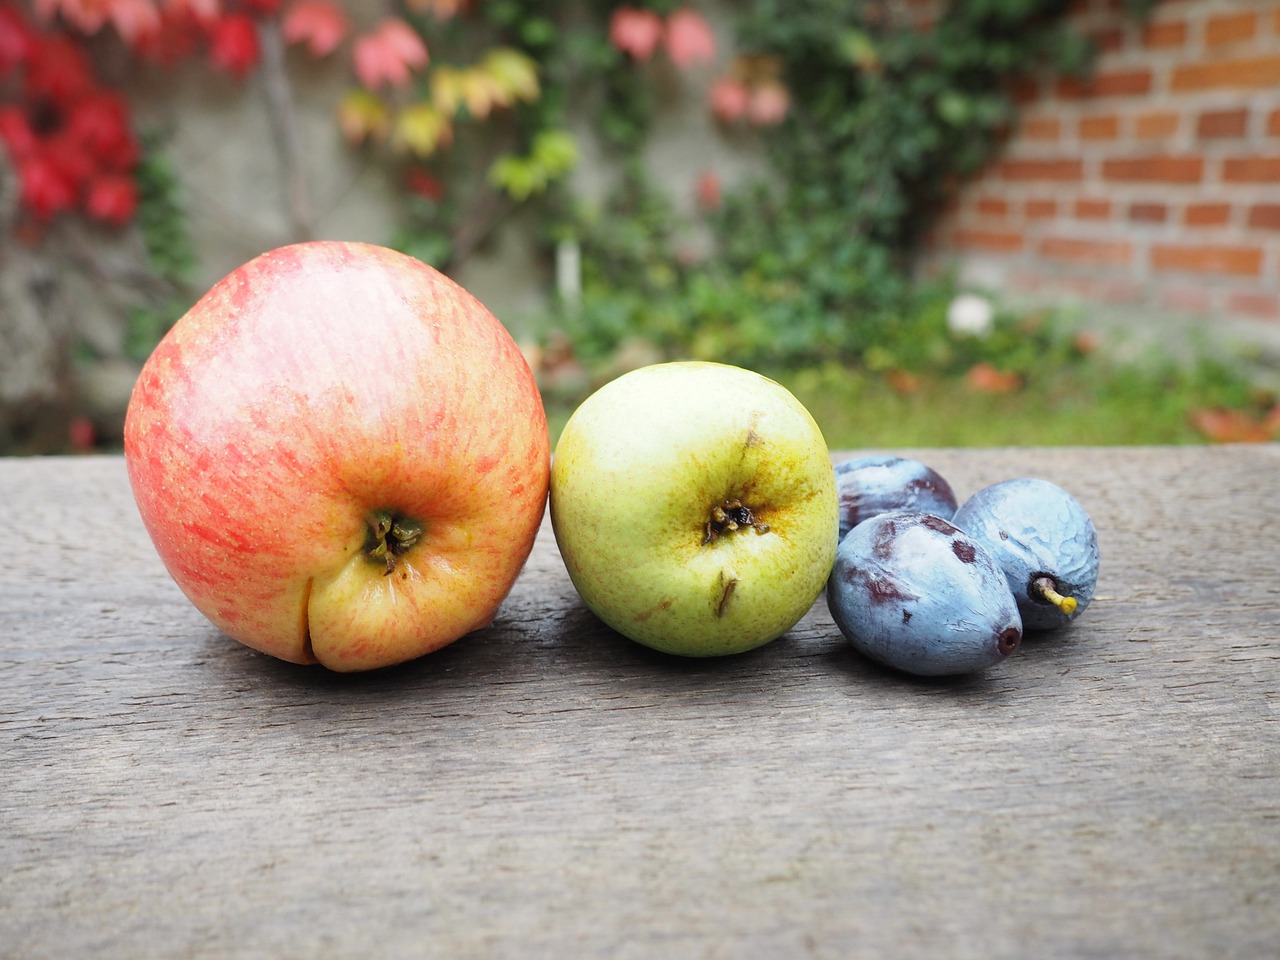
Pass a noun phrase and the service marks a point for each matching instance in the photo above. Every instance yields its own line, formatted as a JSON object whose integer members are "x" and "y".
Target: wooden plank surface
{"x": 547, "y": 789}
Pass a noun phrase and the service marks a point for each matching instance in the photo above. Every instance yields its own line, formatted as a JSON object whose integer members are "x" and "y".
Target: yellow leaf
{"x": 514, "y": 72}
{"x": 363, "y": 115}
{"x": 481, "y": 93}
{"x": 421, "y": 128}
{"x": 446, "y": 89}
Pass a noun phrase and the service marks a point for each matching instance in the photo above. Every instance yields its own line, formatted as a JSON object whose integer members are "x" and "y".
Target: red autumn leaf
{"x": 903, "y": 382}
{"x": 263, "y": 8}
{"x": 73, "y": 164}
{"x": 44, "y": 191}
{"x": 133, "y": 19}
{"x": 81, "y": 434}
{"x": 58, "y": 71}
{"x": 424, "y": 184}
{"x": 729, "y": 98}
{"x": 769, "y": 104}
{"x": 16, "y": 133}
{"x": 100, "y": 125}
{"x": 177, "y": 37}
{"x": 15, "y": 40}
{"x": 708, "y": 190}
{"x": 389, "y": 54}
{"x": 234, "y": 47}
{"x": 1236, "y": 426}
{"x": 112, "y": 198}
{"x": 985, "y": 378}
{"x": 635, "y": 32}
{"x": 87, "y": 16}
{"x": 689, "y": 38}
{"x": 319, "y": 24}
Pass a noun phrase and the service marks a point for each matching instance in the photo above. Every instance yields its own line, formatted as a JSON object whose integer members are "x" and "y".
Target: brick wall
{"x": 1156, "y": 186}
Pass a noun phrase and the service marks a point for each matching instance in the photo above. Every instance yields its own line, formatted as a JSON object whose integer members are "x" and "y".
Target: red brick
{"x": 1066, "y": 168}
{"x": 1222, "y": 123}
{"x": 1148, "y": 212}
{"x": 1025, "y": 90}
{"x": 1157, "y": 125}
{"x": 1107, "y": 39}
{"x": 1273, "y": 123}
{"x": 1207, "y": 214}
{"x": 1099, "y": 252}
{"x": 1121, "y": 291}
{"x": 1168, "y": 33}
{"x": 1265, "y": 306}
{"x": 1116, "y": 83}
{"x": 1104, "y": 127}
{"x": 1206, "y": 258}
{"x": 1087, "y": 209}
{"x": 1265, "y": 216}
{"x": 1041, "y": 128}
{"x": 1040, "y": 209}
{"x": 1246, "y": 73}
{"x": 1159, "y": 168}
{"x": 1251, "y": 169}
{"x": 1186, "y": 299}
{"x": 1230, "y": 28}
{"x": 993, "y": 206}
{"x": 993, "y": 241}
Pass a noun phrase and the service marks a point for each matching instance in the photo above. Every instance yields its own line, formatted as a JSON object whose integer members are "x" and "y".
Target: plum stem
{"x": 389, "y": 536}
{"x": 1047, "y": 589}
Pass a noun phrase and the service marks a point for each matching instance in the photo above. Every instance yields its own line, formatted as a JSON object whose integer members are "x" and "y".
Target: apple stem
{"x": 1047, "y": 589}
{"x": 389, "y": 536}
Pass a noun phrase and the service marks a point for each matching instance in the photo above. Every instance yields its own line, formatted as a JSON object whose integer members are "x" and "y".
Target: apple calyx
{"x": 728, "y": 516}
{"x": 390, "y": 536}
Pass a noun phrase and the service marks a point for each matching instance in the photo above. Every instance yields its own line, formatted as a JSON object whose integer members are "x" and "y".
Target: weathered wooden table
{"x": 547, "y": 789}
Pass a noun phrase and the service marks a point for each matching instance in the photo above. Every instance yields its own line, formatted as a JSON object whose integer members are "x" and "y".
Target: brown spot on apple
{"x": 727, "y": 586}
{"x": 663, "y": 604}
{"x": 753, "y": 435}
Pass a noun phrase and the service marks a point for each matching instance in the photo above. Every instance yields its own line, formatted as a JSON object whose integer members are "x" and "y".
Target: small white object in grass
{"x": 970, "y": 315}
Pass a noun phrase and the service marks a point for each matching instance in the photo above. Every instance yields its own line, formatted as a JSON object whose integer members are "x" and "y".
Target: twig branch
{"x": 284, "y": 125}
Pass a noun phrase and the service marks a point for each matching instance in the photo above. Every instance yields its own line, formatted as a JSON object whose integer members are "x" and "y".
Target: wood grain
{"x": 547, "y": 789}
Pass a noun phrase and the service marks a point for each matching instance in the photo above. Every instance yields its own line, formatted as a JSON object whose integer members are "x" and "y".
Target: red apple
{"x": 340, "y": 455}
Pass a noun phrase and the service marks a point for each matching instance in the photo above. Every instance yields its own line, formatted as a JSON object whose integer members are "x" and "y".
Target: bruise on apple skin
{"x": 663, "y": 604}
{"x": 726, "y": 585}
{"x": 753, "y": 436}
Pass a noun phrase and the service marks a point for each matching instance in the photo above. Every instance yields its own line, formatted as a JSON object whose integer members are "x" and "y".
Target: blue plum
{"x": 1044, "y": 541}
{"x": 872, "y": 485}
{"x": 912, "y": 591}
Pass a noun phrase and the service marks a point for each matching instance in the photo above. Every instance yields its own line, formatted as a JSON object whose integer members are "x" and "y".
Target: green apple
{"x": 695, "y": 507}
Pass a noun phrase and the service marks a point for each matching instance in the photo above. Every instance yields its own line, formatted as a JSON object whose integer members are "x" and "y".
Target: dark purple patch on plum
{"x": 884, "y": 590}
{"x": 937, "y": 524}
{"x": 965, "y": 551}
{"x": 932, "y": 483}
{"x": 883, "y": 544}
{"x": 1007, "y": 640}
{"x": 906, "y": 615}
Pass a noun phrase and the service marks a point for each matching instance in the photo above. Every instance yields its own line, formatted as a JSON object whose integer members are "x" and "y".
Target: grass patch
{"x": 1089, "y": 403}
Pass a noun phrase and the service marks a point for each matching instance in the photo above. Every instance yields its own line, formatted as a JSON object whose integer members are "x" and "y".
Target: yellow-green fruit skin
{"x": 636, "y": 475}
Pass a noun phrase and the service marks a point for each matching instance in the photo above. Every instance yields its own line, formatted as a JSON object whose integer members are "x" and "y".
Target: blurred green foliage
{"x": 815, "y": 261}
{"x": 170, "y": 257}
